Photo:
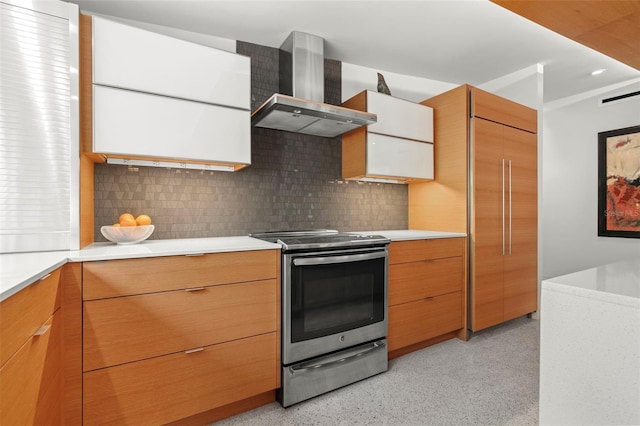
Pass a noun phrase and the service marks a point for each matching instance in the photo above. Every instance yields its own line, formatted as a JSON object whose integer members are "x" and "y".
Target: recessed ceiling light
{"x": 598, "y": 72}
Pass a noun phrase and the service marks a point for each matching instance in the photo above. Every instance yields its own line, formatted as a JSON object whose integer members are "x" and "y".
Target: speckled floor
{"x": 490, "y": 380}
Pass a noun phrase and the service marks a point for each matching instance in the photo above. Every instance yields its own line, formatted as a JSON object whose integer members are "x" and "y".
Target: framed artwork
{"x": 619, "y": 183}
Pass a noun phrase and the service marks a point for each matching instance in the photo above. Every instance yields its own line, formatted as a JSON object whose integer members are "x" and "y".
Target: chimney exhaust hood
{"x": 302, "y": 108}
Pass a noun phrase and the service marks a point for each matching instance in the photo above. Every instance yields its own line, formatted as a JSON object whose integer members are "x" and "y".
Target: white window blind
{"x": 35, "y": 131}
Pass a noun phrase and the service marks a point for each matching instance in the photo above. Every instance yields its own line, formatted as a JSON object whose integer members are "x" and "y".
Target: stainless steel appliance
{"x": 334, "y": 310}
{"x": 300, "y": 106}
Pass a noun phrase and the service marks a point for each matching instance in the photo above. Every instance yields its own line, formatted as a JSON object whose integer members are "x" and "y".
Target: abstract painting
{"x": 619, "y": 183}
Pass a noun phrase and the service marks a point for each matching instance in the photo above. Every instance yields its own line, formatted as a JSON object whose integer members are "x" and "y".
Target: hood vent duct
{"x": 300, "y": 108}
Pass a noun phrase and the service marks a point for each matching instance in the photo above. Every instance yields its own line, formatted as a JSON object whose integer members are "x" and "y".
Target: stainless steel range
{"x": 334, "y": 310}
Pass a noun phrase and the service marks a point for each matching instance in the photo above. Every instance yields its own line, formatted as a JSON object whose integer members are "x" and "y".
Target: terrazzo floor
{"x": 490, "y": 380}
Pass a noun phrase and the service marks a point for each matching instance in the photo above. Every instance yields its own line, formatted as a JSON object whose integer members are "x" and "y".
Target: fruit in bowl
{"x": 129, "y": 229}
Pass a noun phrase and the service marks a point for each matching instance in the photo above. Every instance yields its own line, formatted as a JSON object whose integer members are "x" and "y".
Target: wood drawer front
{"x": 113, "y": 278}
{"x": 132, "y": 328}
{"x": 31, "y": 381}
{"x": 414, "y": 281}
{"x": 418, "y": 250}
{"x": 24, "y": 312}
{"x": 168, "y": 388}
{"x": 415, "y": 322}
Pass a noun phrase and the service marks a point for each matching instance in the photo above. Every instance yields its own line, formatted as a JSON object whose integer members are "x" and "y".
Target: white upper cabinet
{"x": 131, "y": 58}
{"x": 128, "y": 123}
{"x": 400, "y": 118}
{"x": 39, "y": 127}
{"x": 158, "y": 100}
{"x": 398, "y": 158}
{"x": 398, "y": 148}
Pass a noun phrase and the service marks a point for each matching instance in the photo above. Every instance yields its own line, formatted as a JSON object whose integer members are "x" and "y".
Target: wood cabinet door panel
{"x": 419, "y": 250}
{"x": 488, "y": 224}
{"x": 31, "y": 381}
{"x": 24, "y": 312}
{"x": 520, "y": 262}
{"x": 169, "y": 388}
{"x": 419, "y": 280}
{"x": 113, "y": 278}
{"x": 417, "y": 321}
{"x": 125, "y": 329}
{"x": 501, "y": 110}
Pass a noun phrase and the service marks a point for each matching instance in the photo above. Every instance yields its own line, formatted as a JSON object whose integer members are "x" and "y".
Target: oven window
{"x": 332, "y": 298}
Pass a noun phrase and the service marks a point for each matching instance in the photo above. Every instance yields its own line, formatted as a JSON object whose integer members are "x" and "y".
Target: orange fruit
{"x": 127, "y": 219}
{"x": 116, "y": 225}
{"x": 125, "y": 216}
{"x": 143, "y": 219}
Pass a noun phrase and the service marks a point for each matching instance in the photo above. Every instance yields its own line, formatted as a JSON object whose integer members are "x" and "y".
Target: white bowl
{"x": 127, "y": 234}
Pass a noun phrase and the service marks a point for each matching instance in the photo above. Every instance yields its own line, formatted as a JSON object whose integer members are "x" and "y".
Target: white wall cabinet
{"x": 136, "y": 59}
{"x": 39, "y": 124}
{"x": 400, "y": 118}
{"x": 399, "y": 158}
{"x": 161, "y": 100}
{"x": 398, "y": 148}
{"x": 136, "y": 124}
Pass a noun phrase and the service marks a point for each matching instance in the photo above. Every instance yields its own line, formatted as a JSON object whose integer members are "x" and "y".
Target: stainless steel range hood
{"x": 301, "y": 108}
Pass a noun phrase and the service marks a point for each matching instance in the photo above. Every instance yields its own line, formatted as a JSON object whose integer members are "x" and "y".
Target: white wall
{"x": 356, "y": 78}
{"x": 570, "y": 239}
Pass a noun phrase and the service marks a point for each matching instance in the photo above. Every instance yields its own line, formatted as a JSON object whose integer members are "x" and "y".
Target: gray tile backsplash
{"x": 294, "y": 182}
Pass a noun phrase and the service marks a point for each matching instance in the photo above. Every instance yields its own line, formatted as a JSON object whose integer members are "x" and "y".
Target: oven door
{"x": 333, "y": 300}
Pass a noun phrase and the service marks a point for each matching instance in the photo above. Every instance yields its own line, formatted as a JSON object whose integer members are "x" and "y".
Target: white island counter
{"x": 590, "y": 346}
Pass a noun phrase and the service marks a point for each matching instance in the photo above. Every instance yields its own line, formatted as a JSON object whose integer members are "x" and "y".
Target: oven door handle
{"x": 307, "y": 261}
{"x": 301, "y": 368}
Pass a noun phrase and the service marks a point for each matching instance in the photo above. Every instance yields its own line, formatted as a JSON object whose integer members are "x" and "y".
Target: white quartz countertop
{"x": 155, "y": 248}
{"x": 615, "y": 282}
{"x": 408, "y": 234}
{"x": 21, "y": 269}
{"x": 18, "y": 270}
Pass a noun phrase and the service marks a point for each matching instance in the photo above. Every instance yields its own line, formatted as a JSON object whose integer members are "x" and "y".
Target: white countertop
{"x": 155, "y": 248}
{"x": 590, "y": 346}
{"x": 615, "y": 282}
{"x": 21, "y": 269}
{"x": 409, "y": 234}
{"x": 18, "y": 270}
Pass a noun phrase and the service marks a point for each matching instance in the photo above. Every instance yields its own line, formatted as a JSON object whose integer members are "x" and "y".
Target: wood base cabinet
{"x": 31, "y": 373}
{"x": 167, "y": 339}
{"x": 486, "y": 185}
{"x": 172, "y": 387}
{"x": 426, "y": 297}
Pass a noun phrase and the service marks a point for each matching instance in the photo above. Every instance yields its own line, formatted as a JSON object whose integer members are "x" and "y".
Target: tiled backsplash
{"x": 294, "y": 182}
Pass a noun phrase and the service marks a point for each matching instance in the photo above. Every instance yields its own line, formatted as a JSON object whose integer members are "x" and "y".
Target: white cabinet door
{"x": 39, "y": 171}
{"x": 131, "y": 58}
{"x": 395, "y": 157}
{"x": 400, "y": 118}
{"x": 140, "y": 124}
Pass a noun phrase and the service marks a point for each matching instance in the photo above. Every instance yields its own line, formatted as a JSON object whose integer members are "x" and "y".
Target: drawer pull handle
{"x": 45, "y": 277}
{"x": 42, "y": 330}
{"x": 194, "y": 255}
{"x": 194, "y": 289}
{"x": 190, "y": 351}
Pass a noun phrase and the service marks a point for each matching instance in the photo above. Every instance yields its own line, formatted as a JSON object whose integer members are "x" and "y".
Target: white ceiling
{"x": 455, "y": 41}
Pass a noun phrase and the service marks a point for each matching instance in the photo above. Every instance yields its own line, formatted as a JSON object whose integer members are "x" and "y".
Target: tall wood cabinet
{"x": 486, "y": 185}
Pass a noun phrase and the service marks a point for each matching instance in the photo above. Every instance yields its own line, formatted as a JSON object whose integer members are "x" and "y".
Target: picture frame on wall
{"x": 619, "y": 183}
